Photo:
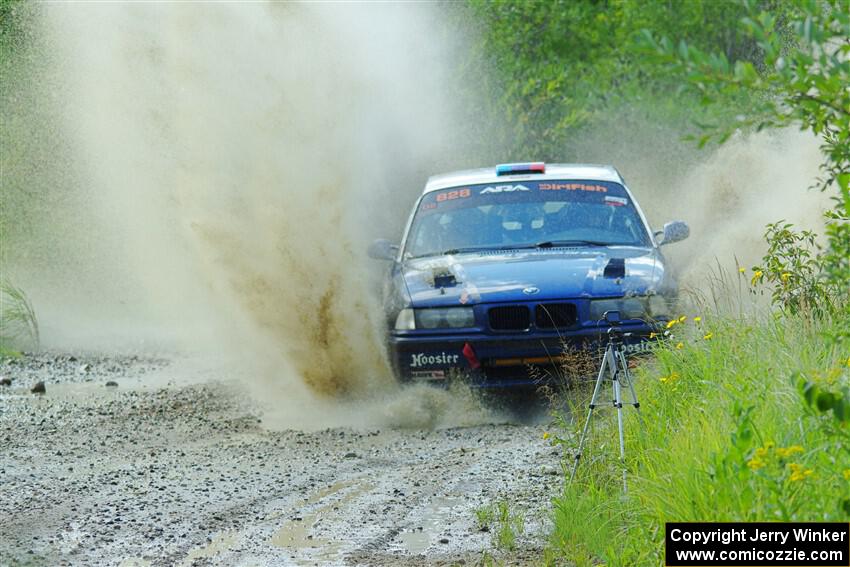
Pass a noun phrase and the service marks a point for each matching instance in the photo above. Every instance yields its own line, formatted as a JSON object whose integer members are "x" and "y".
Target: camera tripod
{"x": 615, "y": 368}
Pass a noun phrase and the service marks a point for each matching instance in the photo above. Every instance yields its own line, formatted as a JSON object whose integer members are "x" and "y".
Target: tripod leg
{"x": 628, "y": 381}
{"x": 592, "y": 405}
{"x": 618, "y": 403}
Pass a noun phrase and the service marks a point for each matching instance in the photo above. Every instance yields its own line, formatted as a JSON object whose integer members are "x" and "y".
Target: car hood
{"x": 527, "y": 275}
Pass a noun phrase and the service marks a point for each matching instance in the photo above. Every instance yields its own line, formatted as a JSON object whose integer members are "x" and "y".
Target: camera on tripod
{"x": 612, "y": 318}
{"x": 614, "y": 368}
{"x": 614, "y": 331}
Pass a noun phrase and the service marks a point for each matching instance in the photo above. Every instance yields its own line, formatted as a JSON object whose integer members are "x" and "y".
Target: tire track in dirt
{"x": 161, "y": 471}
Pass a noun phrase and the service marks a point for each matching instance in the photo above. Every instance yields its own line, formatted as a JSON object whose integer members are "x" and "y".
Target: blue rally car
{"x": 499, "y": 269}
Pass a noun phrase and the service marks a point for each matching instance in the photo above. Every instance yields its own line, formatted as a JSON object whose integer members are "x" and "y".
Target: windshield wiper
{"x": 544, "y": 244}
{"x": 554, "y": 243}
{"x": 452, "y": 251}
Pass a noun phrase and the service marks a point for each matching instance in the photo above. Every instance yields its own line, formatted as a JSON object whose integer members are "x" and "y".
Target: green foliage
{"x": 18, "y": 323}
{"x": 800, "y": 79}
{"x": 836, "y": 259}
{"x": 824, "y": 393}
{"x": 20, "y": 154}
{"x": 508, "y": 526}
{"x": 728, "y": 434}
{"x": 745, "y": 419}
{"x": 485, "y": 516}
{"x": 13, "y": 31}
{"x": 793, "y": 271}
{"x": 504, "y": 524}
{"x": 565, "y": 66}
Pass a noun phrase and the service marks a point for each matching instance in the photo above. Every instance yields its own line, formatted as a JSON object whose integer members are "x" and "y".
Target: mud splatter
{"x": 235, "y": 160}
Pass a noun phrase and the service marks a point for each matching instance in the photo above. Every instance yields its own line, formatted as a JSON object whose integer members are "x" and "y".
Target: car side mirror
{"x": 674, "y": 231}
{"x": 382, "y": 249}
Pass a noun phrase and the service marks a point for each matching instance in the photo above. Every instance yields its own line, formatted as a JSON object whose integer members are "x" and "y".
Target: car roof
{"x": 553, "y": 171}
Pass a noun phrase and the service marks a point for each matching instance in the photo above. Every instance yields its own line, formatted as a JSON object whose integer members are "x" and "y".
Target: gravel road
{"x": 161, "y": 469}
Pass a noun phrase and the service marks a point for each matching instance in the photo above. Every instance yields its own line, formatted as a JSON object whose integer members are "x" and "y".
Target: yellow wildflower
{"x": 785, "y": 452}
{"x": 671, "y": 322}
{"x": 785, "y": 276}
{"x": 653, "y": 335}
{"x": 683, "y": 318}
{"x": 848, "y": 362}
{"x": 846, "y": 474}
{"x": 697, "y": 319}
{"x": 680, "y": 346}
{"x": 832, "y": 376}
{"x": 672, "y": 377}
{"x": 756, "y": 277}
{"x": 761, "y": 452}
{"x": 798, "y": 472}
{"x": 742, "y": 269}
{"x": 755, "y": 463}
{"x": 708, "y": 336}
{"x": 545, "y": 435}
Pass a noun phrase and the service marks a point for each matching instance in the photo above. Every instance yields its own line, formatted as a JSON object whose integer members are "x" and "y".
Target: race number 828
{"x": 451, "y": 195}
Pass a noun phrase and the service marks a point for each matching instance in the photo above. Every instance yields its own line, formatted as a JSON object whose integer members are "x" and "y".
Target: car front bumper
{"x": 502, "y": 360}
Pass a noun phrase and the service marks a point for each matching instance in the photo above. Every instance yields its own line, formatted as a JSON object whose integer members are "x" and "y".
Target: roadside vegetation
{"x": 745, "y": 407}
{"x": 744, "y": 419}
{"x": 746, "y": 403}
{"x": 18, "y": 323}
{"x": 504, "y": 524}
{"x": 562, "y": 75}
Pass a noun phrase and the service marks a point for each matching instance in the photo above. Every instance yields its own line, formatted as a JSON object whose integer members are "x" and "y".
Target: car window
{"x": 526, "y": 213}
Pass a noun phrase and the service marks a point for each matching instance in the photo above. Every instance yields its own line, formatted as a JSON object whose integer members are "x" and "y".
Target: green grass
{"x": 727, "y": 435}
{"x": 485, "y": 516}
{"x": 504, "y": 524}
{"x": 18, "y": 323}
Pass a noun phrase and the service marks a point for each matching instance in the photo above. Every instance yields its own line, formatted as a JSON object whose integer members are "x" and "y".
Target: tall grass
{"x": 18, "y": 323}
{"x": 726, "y": 436}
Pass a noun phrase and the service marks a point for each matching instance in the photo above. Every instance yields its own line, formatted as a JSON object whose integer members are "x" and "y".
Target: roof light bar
{"x": 519, "y": 168}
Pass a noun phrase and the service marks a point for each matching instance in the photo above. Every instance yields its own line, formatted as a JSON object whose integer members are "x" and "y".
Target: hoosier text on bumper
{"x": 421, "y": 359}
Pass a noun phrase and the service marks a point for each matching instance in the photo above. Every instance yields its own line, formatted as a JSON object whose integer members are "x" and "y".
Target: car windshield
{"x": 524, "y": 214}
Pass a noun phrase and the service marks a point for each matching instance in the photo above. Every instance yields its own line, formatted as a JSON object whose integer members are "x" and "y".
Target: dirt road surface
{"x": 162, "y": 470}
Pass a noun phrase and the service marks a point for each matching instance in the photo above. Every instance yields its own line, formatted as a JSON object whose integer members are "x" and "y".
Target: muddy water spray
{"x": 730, "y": 197}
{"x": 239, "y": 159}
{"x": 727, "y": 194}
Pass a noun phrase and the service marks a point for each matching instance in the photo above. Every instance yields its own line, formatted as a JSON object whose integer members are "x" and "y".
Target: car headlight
{"x": 405, "y": 320}
{"x": 629, "y": 308}
{"x": 637, "y": 307}
{"x": 460, "y": 317}
{"x": 428, "y": 318}
{"x": 444, "y": 318}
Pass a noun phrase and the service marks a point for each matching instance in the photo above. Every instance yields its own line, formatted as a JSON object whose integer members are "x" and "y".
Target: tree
{"x": 800, "y": 79}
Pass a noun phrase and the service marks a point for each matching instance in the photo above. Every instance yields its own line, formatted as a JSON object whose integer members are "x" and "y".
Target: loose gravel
{"x": 121, "y": 461}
